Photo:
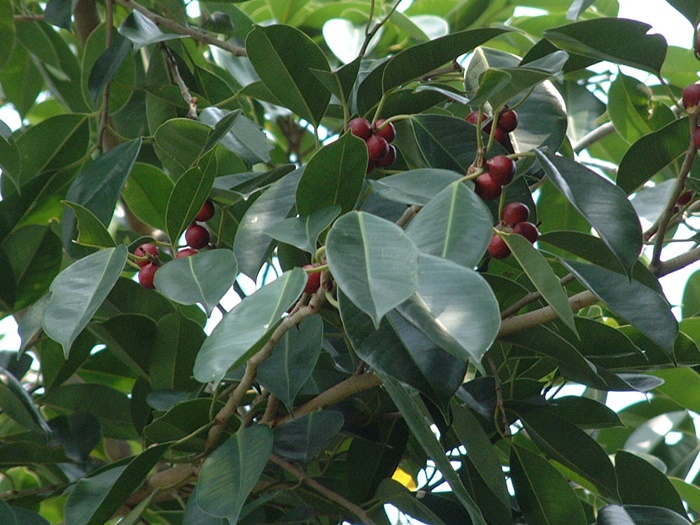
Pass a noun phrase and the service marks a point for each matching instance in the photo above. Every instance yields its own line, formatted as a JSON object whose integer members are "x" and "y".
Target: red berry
{"x": 501, "y": 169}
{"x": 498, "y": 249}
{"x": 186, "y": 252}
{"x": 147, "y": 250}
{"x": 360, "y": 127}
{"x": 473, "y": 118}
{"x": 147, "y": 274}
{"x": 691, "y": 95}
{"x": 500, "y": 135}
{"x": 696, "y": 137}
{"x": 487, "y": 188}
{"x": 389, "y": 158}
{"x": 515, "y": 213}
{"x": 197, "y": 236}
{"x": 508, "y": 120}
{"x": 527, "y": 230}
{"x": 685, "y": 198}
{"x": 387, "y": 132}
{"x": 206, "y": 213}
{"x": 314, "y": 281}
{"x": 377, "y": 147}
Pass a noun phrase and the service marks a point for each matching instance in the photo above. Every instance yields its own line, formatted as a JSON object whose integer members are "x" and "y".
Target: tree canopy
{"x": 320, "y": 261}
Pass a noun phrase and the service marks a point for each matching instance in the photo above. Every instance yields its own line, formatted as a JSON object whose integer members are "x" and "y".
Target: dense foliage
{"x": 411, "y": 329}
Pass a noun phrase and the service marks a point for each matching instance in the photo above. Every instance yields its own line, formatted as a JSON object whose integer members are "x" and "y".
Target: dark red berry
{"x": 500, "y": 136}
{"x": 498, "y": 249}
{"x": 527, "y": 230}
{"x": 515, "y": 213}
{"x": 147, "y": 275}
{"x": 360, "y": 127}
{"x": 186, "y": 252}
{"x": 387, "y": 132}
{"x": 147, "y": 250}
{"x": 377, "y": 147}
{"x": 508, "y": 120}
{"x": 206, "y": 213}
{"x": 696, "y": 137}
{"x": 389, "y": 158}
{"x": 197, "y": 236}
{"x": 314, "y": 281}
{"x": 486, "y": 188}
{"x": 501, "y": 169}
{"x": 691, "y": 95}
{"x": 685, "y": 198}
{"x": 473, "y": 118}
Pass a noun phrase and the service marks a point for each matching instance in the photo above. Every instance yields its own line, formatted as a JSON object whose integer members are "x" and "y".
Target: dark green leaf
{"x": 303, "y": 232}
{"x": 303, "y": 438}
{"x": 18, "y": 405}
{"x": 180, "y": 143}
{"x": 238, "y": 134}
{"x": 78, "y": 434}
{"x": 142, "y": 31}
{"x": 414, "y": 186}
{"x": 393, "y": 492}
{"x": 10, "y": 162}
{"x": 638, "y": 515}
{"x": 688, "y": 8}
{"x": 146, "y": 192}
{"x": 7, "y": 31}
{"x": 107, "y": 65}
{"x": 91, "y": 232}
{"x": 187, "y": 198}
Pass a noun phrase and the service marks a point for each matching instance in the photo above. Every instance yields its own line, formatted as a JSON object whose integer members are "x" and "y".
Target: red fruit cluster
{"x": 379, "y": 140}
{"x": 149, "y": 261}
{"x": 506, "y": 122}
{"x": 314, "y": 281}
{"x": 515, "y": 219}
{"x": 500, "y": 171}
{"x": 196, "y": 235}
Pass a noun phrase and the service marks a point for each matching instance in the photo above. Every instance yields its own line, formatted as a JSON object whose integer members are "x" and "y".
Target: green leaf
{"x": 203, "y": 278}
{"x": 334, "y": 175}
{"x": 78, "y": 291}
{"x": 609, "y": 39}
{"x": 638, "y": 515}
{"x": 412, "y": 409}
{"x": 91, "y": 232}
{"x": 7, "y": 515}
{"x": 455, "y": 225}
{"x": 10, "y": 162}
{"x": 146, "y": 192}
{"x": 18, "y": 405}
{"x": 107, "y": 65}
{"x": 293, "y": 360}
{"x": 390, "y": 491}
{"x": 95, "y": 499}
{"x": 232, "y": 470}
{"x": 143, "y": 32}
{"x": 178, "y": 340}
{"x": 652, "y": 153}
{"x": 7, "y": 31}
{"x": 303, "y": 438}
{"x": 373, "y": 262}
{"x": 187, "y": 198}
{"x": 639, "y": 305}
{"x": 543, "y": 494}
{"x": 283, "y": 57}
{"x": 78, "y": 434}
{"x": 641, "y": 483}
{"x": 690, "y": 304}
{"x": 601, "y": 202}
{"x": 303, "y": 232}
{"x": 247, "y": 326}
{"x": 238, "y": 134}
{"x": 414, "y": 186}
{"x": 542, "y": 276}
{"x": 180, "y": 143}
{"x": 454, "y": 307}
{"x": 688, "y": 8}
{"x": 680, "y": 385}
{"x": 340, "y": 81}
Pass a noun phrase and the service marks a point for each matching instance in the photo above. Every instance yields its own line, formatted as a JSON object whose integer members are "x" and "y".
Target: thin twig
{"x": 184, "y": 90}
{"x": 104, "y": 117}
{"x": 531, "y": 298}
{"x": 500, "y": 407}
{"x": 173, "y": 26}
{"x": 408, "y": 215}
{"x": 594, "y": 136}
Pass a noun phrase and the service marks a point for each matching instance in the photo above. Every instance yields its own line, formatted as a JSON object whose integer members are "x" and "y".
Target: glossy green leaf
{"x": 303, "y": 438}
{"x": 688, "y": 8}
{"x": 340, "y": 81}
{"x": 177, "y": 342}
{"x": 639, "y": 305}
{"x": 542, "y": 276}
{"x": 7, "y": 515}
{"x": 638, "y": 515}
{"x": 412, "y": 409}
{"x": 283, "y": 57}
{"x": 180, "y": 143}
{"x": 247, "y": 326}
{"x": 414, "y": 186}
{"x": 252, "y": 246}
{"x": 7, "y": 30}
{"x": 690, "y": 304}
{"x": 455, "y": 225}
{"x": 107, "y": 65}
{"x": 602, "y": 203}
{"x": 609, "y": 39}
{"x": 142, "y": 31}
{"x": 238, "y": 134}
{"x": 10, "y": 162}
{"x": 333, "y": 176}
{"x": 130, "y": 338}
{"x": 390, "y": 491}
{"x": 292, "y": 361}
{"x": 570, "y": 446}
{"x": 194, "y": 515}
{"x": 91, "y": 232}
{"x": 187, "y": 198}
{"x": 544, "y": 495}
{"x": 78, "y": 291}
{"x": 232, "y": 470}
{"x": 18, "y": 405}
{"x": 373, "y": 262}
{"x": 651, "y": 153}
{"x": 203, "y": 278}
{"x": 78, "y": 434}
{"x": 303, "y": 232}
{"x": 641, "y": 483}
{"x": 146, "y": 192}
{"x": 679, "y": 385}
{"x": 455, "y": 307}
{"x": 94, "y": 499}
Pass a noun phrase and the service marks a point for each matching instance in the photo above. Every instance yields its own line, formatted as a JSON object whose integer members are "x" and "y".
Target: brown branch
{"x": 164, "y": 481}
{"x": 324, "y": 491}
{"x": 531, "y": 298}
{"x": 191, "y": 101}
{"x": 193, "y": 33}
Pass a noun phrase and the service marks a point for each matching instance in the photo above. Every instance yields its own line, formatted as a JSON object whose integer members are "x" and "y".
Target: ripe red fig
{"x": 360, "y": 127}
{"x": 389, "y": 158}
{"x": 515, "y": 213}
{"x": 314, "y": 281}
{"x": 691, "y": 96}
{"x": 147, "y": 250}
{"x": 498, "y": 249}
{"x": 501, "y": 169}
{"x": 377, "y": 147}
{"x": 387, "y": 132}
{"x": 508, "y": 120}
{"x": 473, "y": 118}
{"x": 147, "y": 275}
{"x": 685, "y": 198}
{"x": 197, "y": 236}
{"x": 487, "y": 188}
{"x": 527, "y": 230}
{"x": 206, "y": 213}
{"x": 186, "y": 252}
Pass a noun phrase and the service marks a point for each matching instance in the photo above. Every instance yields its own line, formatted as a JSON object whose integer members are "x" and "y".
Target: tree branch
{"x": 593, "y": 136}
{"x": 173, "y": 26}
